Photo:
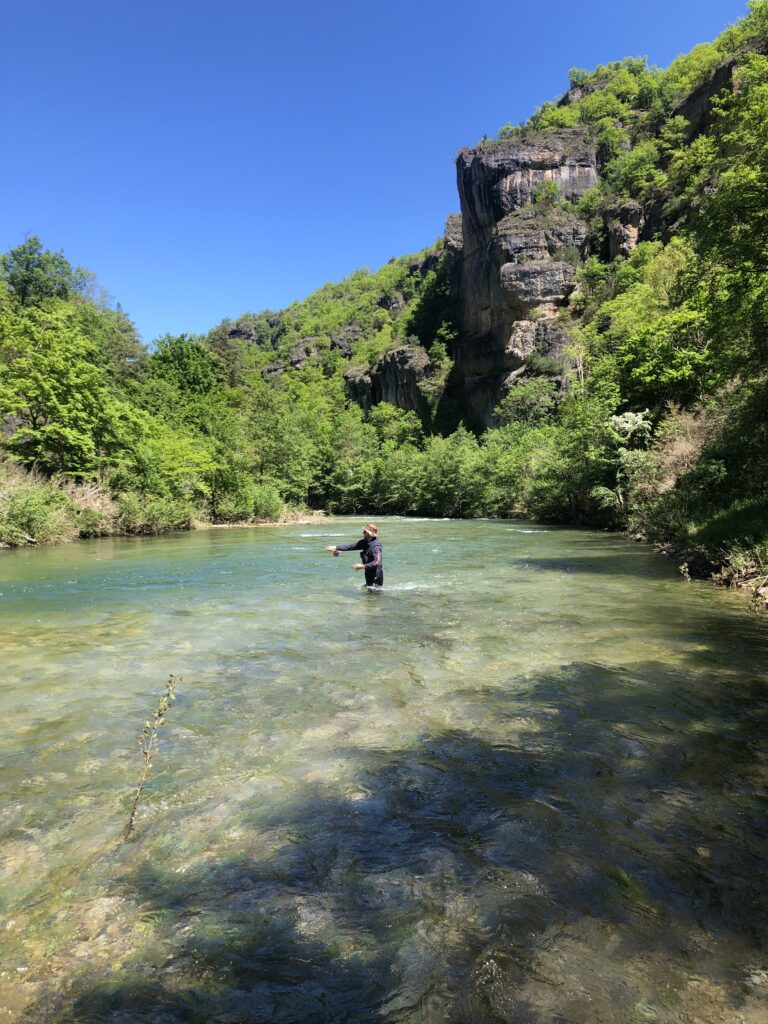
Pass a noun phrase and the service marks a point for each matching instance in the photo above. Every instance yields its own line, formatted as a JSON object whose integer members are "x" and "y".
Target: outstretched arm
{"x": 346, "y": 547}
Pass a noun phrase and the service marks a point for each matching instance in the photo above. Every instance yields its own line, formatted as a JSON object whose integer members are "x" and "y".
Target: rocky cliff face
{"x": 502, "y": 277}
{"x": 404, "y": 377}
{"x": 517, "y": 257}
{"x": 697, "y": 107}
{"x": 515, "y": 250}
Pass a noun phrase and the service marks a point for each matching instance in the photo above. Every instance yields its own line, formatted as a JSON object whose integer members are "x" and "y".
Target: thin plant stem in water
{"x": 148, "y": 744}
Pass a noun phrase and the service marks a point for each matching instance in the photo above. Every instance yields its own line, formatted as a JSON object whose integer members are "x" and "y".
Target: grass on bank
{"x": 39, "y": 510}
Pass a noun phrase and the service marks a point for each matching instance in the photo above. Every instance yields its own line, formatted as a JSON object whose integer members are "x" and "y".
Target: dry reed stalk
{"x": 148, "y": 744}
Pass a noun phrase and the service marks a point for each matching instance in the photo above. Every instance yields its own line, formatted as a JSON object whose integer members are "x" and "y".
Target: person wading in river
{"x": 371, "y": 555}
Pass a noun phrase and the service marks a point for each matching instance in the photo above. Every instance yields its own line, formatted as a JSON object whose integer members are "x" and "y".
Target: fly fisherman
{"x": 370, "y": 548}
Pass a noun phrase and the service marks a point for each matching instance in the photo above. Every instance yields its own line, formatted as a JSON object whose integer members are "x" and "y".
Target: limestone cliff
{"x": 404, "y": 377}
{"x": 465, "y": 319}
{"x": 513, "y": 253}
{"x": 518, "y": 256}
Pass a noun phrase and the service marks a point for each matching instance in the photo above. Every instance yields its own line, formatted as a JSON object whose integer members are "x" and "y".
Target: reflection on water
{"x": 524, "y": 783}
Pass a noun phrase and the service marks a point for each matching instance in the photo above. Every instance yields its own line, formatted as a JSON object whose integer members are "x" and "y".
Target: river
{"x": 523, "y": 783}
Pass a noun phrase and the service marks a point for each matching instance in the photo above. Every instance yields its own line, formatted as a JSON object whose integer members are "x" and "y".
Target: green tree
{"x": 398, "y": 478}
{"x": 55, "y": 395}
{"x": 34, "y": 274}
{"x": 119, "y": 346}
{"x": 581, "y": 455}
{"x": 353, "y": 466}
{"x": 186, "y": 363}
{"x": 395, "y": 425}
{"x": 452, "y": 483}
{"x": 528, "y": 401}
{"x": 732, "y": 230}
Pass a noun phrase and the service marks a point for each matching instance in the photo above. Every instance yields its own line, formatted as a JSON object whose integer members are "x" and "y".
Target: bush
{"x": 543, "y": 366}
{"x": 528, "y": 401}
{"x": 235, "y": 505}
{"x": 247, "y": 500}
{"x": 153, "y": 513}
{"x": 95, "y": 508}
{"x": 744, "y": 565}
{"x": 267, "y": 503}
{"x": 33, "y": 510}
{"x": 398, "y": 482}
{"x": 452, "y": 476}
{"x": 633, "y": 173}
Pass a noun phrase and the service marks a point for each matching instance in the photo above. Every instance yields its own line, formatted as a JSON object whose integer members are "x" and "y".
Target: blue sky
{"x": 205, "y": 159}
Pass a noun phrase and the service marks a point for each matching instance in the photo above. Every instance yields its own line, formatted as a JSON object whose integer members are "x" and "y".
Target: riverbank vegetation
{"x": 655, "y": 421}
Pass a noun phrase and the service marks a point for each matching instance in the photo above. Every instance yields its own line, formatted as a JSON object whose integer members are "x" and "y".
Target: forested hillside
{"x": 650, "y": 413}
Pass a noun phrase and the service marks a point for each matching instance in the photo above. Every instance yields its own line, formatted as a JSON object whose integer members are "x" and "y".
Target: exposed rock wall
{"x": 518, "y": 256}
{"x": 515, "y": 253}
{"x": 404, "y": 377}
{"x": 511, "y": 258}
{"x": 697, "y": 108}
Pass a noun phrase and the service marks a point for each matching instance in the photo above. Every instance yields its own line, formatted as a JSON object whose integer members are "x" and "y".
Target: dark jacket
{"x": 370, "y": 556}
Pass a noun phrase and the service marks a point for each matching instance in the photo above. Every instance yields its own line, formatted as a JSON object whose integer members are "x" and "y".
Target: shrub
{"x": 543, "y": 366}
{"x": 632, "y": 173}
{"x": 267, "y": 503}
{"x": 235, "y": 505}
{"x": 569, "y": 254}
{"x": 153, "y": 513}
{"x": 33, "y": 510}
{"x": 95, "y": 508}
{"x": 528, "y": 401}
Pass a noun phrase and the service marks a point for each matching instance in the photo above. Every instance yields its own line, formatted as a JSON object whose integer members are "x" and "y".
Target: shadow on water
{"x": 588, "y": 869}
{"x": 618, "y": 564}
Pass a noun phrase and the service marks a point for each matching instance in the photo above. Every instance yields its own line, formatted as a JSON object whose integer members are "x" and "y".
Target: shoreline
{"x": 696, "y": 565}
{"x": 194, "y": 527}
{"x": 308, "y": 520}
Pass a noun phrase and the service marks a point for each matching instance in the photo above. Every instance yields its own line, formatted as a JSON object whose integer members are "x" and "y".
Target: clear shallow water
{"x": 525, "y": 783}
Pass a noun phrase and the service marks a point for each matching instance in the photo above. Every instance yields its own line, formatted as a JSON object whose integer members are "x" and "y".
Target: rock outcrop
{"x": 625, "y": 226}
{"x": 520, "y": 247}
{"x": 345, "y": 339}
{"x": 404, "y": 377}
{"x": 697, "y": 107}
